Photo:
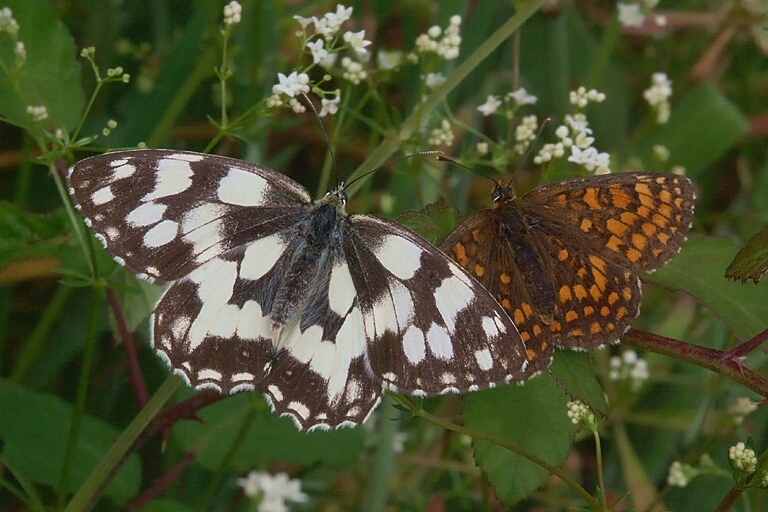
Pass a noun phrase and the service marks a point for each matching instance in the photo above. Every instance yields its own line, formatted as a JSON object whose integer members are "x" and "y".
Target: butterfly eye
{"x": 497, "y": 194}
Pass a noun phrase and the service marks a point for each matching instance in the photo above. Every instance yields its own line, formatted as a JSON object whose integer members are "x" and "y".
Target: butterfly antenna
{"x": 396, "y": 161}
{"x": 325, "y": 134}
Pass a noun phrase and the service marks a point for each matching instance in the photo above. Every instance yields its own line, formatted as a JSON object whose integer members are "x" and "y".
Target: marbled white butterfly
{"x": 269, "y": 290}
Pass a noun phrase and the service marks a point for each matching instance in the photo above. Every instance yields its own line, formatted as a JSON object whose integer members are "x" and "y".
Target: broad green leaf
{"x": 575, "y": 373}
{"x": 50, "y": 74}
{"x": 268, "y": 438}
{"x": 34, "y": 429}
{"x": 29, "y": 235}
{"x": 699, "y": 270}
{"x": 751, "y": 262}
{"x": 701, "y": 128}
{"x": 433, "y": 222}
{"x": 532, "y": 416}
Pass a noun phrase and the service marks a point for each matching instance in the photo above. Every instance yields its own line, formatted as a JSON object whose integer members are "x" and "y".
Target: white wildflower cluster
{"x": 741, "y": 408}
{"x": 742, "y": 458}
{"x": 634, "y": 14}
{"x": 444, "y": 43}
{"x": 576, "y": 136}
{"x": 8, "y": 23}
{"x": 232, "y": 13}
{"x": 325, "y": 42}
{"x": 37, "y": 113}
{"x": 657, "y": 96}
{"x": 629, "y": 368}
{"x": 119, "y": 74}
{"x": 111, "y": 125}
{"x": 442, "y": 136}
{"x": 272, "y": 491}
{"x": 520, "y": 97}
{"x": 681, "y": 474}
{"x": 579, "y": 413}
{"x": 581, "y": 97}
{"x": 525, "y": 133}
{"x": 660, "y": 152}
{"x": 434, "y": 80}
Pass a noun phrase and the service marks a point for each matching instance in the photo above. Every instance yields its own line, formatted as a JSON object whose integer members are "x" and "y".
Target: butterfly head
{"x": 336, "y": 196}
{"x": 502, "y": 193}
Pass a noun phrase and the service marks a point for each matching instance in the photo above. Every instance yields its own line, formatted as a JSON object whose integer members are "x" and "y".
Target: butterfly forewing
{"x": 166, "y": 212}
{"x": 563, "y": 259}
{"x": 268, "y": 290}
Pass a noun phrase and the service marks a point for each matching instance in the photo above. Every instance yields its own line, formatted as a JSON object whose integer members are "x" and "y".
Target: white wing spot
{"x": 146, "y": 214}
{"x": 447, "y": 379}
{"x": 300, "y": 409}
{"x": 452, "y": 296}
{"x": 414, "y": 346}
{"x": 439, "y": 342}
{"x": 216, "y": 279}
{"x": 400, "y": 256}
{"x": 209, "y": 374}
{"x": 102, "y": 196}
{"x": 189, "y": 157}
{"x": 123, "y": 171}
{"x": 260, "y": 256}
{"x": 226, "y": 322}
{"x": 180, "y": 327}
{"x": 341, "y": 290}
{"x": 161, "y": 234}
{"x": 112, "y": 233}
{"x": 173, "y": 177}
{"x": 490, "y": 326}
{"x": 275, "y": 392}
{"x": 242, "y": 188}
{"x": 484, "y": 359}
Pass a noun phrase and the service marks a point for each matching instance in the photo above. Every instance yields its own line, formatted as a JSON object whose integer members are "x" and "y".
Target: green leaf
{"x": 532, "y": 416}
{"x": 699, "y": 270}
{"x": 575, "y": 373}
{"x": 751, "y": 262}
{"x": 34, "y": 430}
{"x": 702, "y": 127}
{"x": 49, "y": 76}
{"x": 269, "y": 437}
{"x": 433, "y": 222}
{"x": 166, "y": 506}
{"x": 25, "y": 235}
{"x": 137, "y": 298}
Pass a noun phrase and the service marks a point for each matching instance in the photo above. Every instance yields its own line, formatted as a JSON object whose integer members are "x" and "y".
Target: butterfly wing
{"x": 476, "y": 245}
{"x": 163, "y": 213}
{"x": 431, "y": 328}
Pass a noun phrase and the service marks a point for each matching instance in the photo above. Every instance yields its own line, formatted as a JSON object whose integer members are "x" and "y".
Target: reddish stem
{"x": 137, "y": 379}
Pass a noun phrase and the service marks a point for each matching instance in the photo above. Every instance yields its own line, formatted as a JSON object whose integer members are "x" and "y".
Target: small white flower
{"x": 297, "y": 106}
{"x": 8, "y": 23}
{"x": 292, "y": 84}
{"x": 583, "y": 140}
{"x": 232, "y": 13}
{"x": 741, "y": 408}
{"x": 357, "y": 41}
{"x": 482, "y": 148}
{"x": 522, "y": 97}
{"x": 20, "y": 50}
{"x": 434, "y": 80}
{"x": 318, "y": 52}
{"x": 330, "y": 106}
{"x": 304, "y": 22}
{"x": 389, "y": 60}
{"x": 630, "y": 15}
{"x": 434, "y": 32}
{"x": 492, "y": 103}
{"x": 37, "y": 113}
{"x": 681, "y": 474}
{"x": 353, "y": 71}
{"x": 442, "y": 136}
{"x": 273, "y": 490}
{"x": 562, "y": 132}
{"x": 658, "y": 95}
{"x": 578, "y": 412}
{"x": 661, "y": 152}
{"x": 331, "y": 22}
{"x": 743, "y": 458}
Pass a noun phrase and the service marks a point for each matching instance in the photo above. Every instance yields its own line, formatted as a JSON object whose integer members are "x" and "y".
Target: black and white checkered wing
{"x": 163, "y": 213}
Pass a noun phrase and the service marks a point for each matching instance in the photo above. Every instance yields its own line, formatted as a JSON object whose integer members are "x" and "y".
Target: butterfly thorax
{"x": 317, "y": 242}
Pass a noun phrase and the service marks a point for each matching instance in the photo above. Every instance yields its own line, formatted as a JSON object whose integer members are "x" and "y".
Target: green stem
{"x": 40, "y": 335}
{"x": 89, "y": 354}
{"x": 475, "y": 434}
{"x": 88, "y": 493}
{"x": 391, "y": 144}
{"x": 383, "y": 462}
{"x": 600, "y": 473}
